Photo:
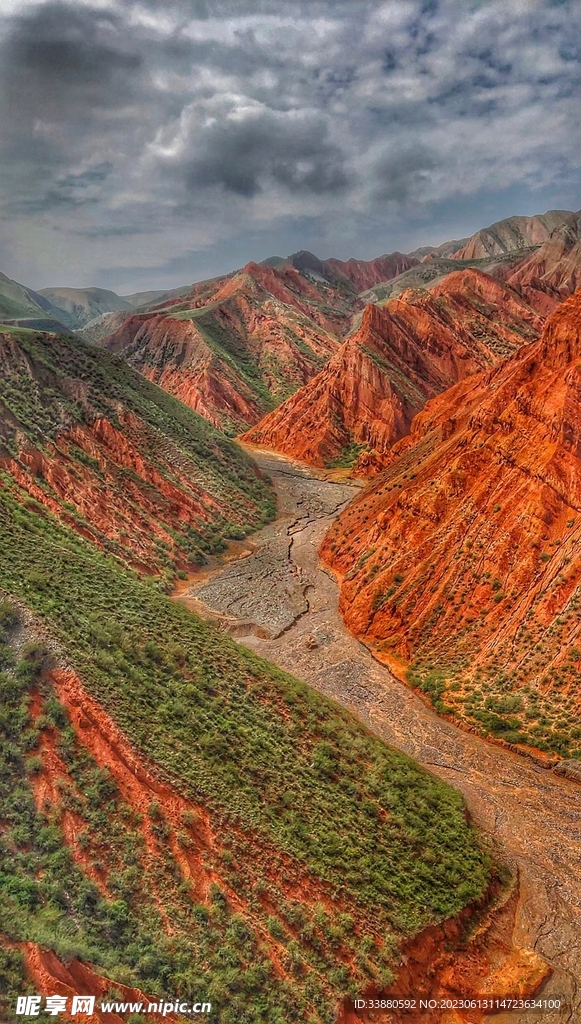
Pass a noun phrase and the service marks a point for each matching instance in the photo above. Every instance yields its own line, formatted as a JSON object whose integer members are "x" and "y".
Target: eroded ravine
{"x": 282, "y": 604}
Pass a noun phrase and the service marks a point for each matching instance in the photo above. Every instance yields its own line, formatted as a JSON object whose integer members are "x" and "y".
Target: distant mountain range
{"x": 78, "y": 306}
{"x": 237, "y": 346}
{"x": 71, "y": 307}
{"x": 513, "y": 233}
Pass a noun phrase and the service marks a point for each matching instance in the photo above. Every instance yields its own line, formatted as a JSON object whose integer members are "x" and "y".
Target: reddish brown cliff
{"x": 415, "y": 347}
{"x": 463, "y": 557}
{"x": 86, "y": 438}
{"x": 128, "y": 489}
{"x": 176, "y": 356}
{"x": 238, "y": 345}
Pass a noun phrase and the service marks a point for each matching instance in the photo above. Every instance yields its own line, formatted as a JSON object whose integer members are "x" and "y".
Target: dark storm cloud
{"x": 69, "y": 45}
{"x": 402, "y": 175}
{"x": 60, "y": 56}
{"x": 63, "y": 68}
{"x": 68, "y": 191}
{"x": 141, "y": 131}
{"x": 245, "y": 156}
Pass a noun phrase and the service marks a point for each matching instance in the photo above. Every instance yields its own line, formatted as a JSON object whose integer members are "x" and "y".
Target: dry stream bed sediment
{"x": 280, "y": 602}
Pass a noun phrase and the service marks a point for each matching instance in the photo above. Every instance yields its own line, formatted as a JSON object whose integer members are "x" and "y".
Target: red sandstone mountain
{"x": 512, "y": 233}
{"x": 415, "y": 347}
{"x": 464, "y": 556}
{"x": 237, "y": 345}
{"x": 551, "y": 272}
{"x": 354, "y": 275}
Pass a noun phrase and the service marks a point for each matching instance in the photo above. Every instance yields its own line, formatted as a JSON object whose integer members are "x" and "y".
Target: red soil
{"x": 364, "y": 274}
{"x": 276, "y": 320}
{"x": 425, "y": 967}
{"x": 52, "y": 977}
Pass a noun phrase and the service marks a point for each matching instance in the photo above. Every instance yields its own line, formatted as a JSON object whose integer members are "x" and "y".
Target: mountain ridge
{"x": 239, "y": 344}
{"x": 80, "y": 305}
{"x": 512, "y": 233}
{"x": 473, "y": 528}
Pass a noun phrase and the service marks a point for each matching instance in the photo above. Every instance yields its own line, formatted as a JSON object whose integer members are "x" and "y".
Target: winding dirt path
{"x": 282, "y": 604}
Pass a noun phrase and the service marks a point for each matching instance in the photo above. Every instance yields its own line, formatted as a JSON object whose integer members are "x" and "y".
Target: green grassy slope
{"x": 39, "y": 395}
{"x": 294, "y": 785}
{"x": 18, "y": 301}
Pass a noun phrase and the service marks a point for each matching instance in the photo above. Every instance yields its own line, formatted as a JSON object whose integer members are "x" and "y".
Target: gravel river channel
{"x": 274, "y": 596}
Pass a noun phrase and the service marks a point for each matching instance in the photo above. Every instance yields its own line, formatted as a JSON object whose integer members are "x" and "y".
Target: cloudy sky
{"x": 149, "y": 144}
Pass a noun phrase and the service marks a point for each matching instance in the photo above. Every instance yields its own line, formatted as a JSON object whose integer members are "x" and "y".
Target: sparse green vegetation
{"x": 347, "y": 457}
{"x": 501, "y": 706}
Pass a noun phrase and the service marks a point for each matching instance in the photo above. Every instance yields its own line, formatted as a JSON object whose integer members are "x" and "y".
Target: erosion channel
{"x": 275, "y": 598}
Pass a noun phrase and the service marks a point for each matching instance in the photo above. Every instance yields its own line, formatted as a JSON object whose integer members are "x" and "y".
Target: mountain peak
{"x": 373, "y": 318}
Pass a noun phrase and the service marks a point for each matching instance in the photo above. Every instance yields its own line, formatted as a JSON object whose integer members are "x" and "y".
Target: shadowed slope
{"x": 80, "y": 305}
{"x": 512, "y": 233}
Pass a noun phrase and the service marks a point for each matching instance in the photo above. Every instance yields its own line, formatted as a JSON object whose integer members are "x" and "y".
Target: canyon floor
{"x": 274, "y": 596}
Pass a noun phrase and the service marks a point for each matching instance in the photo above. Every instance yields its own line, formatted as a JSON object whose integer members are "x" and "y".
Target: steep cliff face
{"x": 237, "y": 346}
{"x": 462, "y": 559}
{"x": 176, "y": 356}
{"x": 403, "y": 354}
{"x": 321, "y": 301}
{"x": 86, "y": 438}
{"x": 512, "y": 233}
{"x": 352, "y": 276}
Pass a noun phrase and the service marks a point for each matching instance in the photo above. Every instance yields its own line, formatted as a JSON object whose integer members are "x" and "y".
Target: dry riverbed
{"x": 281, "y": 603}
